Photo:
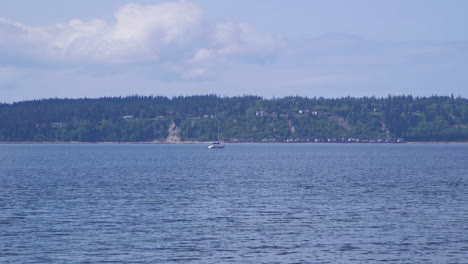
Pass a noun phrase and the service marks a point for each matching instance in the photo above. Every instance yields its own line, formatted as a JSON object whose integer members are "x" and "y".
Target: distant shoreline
{"x": 209, "y": 142}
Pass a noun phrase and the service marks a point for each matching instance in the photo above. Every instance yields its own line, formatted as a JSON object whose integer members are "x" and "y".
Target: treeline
{"x": 241, "y": 118}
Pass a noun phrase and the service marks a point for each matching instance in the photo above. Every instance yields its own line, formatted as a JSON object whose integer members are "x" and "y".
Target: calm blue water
{"x": 253, "y": 203}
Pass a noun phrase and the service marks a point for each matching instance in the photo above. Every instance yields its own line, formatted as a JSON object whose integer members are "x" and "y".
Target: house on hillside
{"x": 57, "y": 124}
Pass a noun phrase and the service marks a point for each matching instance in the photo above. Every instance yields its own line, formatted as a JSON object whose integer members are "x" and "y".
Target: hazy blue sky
{"x": 59, "y": 48}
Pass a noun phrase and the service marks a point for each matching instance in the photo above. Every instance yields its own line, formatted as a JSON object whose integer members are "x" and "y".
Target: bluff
{"x": 241, "y": 118}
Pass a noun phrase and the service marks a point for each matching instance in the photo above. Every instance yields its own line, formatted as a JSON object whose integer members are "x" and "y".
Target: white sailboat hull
{"x": 213, "y": 146}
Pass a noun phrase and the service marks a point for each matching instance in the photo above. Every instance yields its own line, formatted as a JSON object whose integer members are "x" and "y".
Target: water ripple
{"x": 244, "y": 204}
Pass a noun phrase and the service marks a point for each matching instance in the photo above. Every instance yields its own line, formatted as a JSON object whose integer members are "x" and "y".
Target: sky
{"x": 271, "y": 48}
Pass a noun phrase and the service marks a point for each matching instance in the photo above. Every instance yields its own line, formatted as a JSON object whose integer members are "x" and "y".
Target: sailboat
{"x": 216, "y": 145}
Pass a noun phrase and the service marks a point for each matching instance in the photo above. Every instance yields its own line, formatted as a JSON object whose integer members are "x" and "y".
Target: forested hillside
{"x": 245, "y": 118}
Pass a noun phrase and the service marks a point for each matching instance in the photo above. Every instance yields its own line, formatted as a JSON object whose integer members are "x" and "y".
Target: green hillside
{"x": 244, "y": 118}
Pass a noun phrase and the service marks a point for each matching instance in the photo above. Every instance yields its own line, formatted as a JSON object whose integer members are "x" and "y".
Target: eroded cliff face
{"x": 174, "y": 133}
{"x": 341, "y": 121}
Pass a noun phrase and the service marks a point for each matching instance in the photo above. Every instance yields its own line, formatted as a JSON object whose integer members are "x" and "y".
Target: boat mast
{"x": 218, "y": 128}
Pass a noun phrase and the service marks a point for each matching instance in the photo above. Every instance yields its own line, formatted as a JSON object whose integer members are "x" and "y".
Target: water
{"x": 253, "y": 203}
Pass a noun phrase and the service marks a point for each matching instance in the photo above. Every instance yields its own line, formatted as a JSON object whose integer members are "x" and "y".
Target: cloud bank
{"x": 174, "y": 48}
{"x": 175, "y": 35}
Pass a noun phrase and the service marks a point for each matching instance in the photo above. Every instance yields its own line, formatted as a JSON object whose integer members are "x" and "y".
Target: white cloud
{"x": 21, "y": 44}
{"x": 174, "y": 35}
{"x": 173, "y": 49}
{"x": 139, "y": 34}
{"x": 169, "y": 23}
{"x": 203, "y": 55}
{"x": 240, "y": 38}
